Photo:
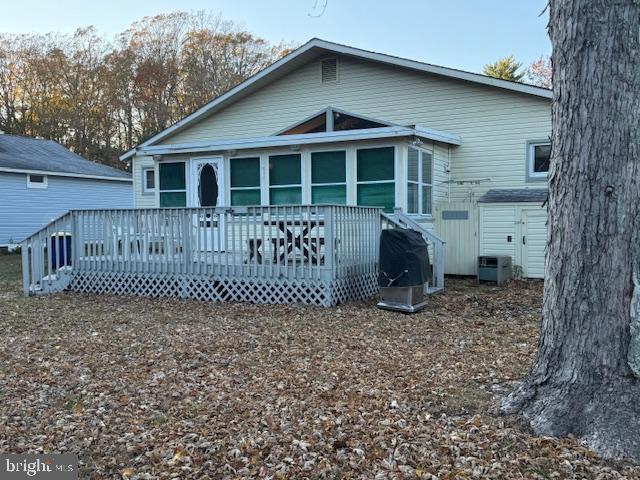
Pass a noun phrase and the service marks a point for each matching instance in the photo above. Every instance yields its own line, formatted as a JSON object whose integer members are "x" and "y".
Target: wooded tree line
{"x": 100, "y": 97}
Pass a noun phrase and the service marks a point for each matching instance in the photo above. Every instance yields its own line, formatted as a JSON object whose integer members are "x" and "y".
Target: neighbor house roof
{"x": 514, "y": 195}
{"x": 33, "y": 155}
{"x": 316, "y": 48}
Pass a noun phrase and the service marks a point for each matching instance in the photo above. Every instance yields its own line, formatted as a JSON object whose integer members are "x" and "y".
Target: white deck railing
{"x": 317, "y": 243}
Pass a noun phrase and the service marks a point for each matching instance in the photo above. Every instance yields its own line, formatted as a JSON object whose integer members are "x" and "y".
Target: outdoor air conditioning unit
{"x": 494, "y": 268}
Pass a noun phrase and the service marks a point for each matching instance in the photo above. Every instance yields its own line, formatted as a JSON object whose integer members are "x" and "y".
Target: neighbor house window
{"x": 419, "y": 181}
{"x": 149, "y": 180}
{"x": 36, "y": 181}
{"x": 173, "y": 184}
{"x": 375, "y": 175}
{"x": 245, "y": 181}
{"x": 285, "y": 179}
{"x": 539, "y": 155}
{"x": 329, "y": 177}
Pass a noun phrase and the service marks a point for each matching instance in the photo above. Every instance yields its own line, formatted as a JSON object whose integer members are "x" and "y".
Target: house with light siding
{"x": 41, "y": 180}
{"x": 465, "y": 155}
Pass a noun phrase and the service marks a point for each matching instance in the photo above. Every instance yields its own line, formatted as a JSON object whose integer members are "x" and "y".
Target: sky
{"x": 464, "y": 34}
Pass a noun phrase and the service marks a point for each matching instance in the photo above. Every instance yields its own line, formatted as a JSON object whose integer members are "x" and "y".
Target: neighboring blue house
{"x": 40, "y": 180}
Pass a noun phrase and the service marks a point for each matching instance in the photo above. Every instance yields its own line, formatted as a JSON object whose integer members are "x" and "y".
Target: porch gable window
{"x": 285, "y": 179}
{"x": 375, "y": 177}
{"x": 173, "y": 184}
{"x": 245, "y": 181}
{"x": 419, "y": 181}
{"x": 329, "y": 177}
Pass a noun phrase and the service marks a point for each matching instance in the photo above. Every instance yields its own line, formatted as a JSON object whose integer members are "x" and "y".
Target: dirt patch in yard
{"x": 163, "y": 388}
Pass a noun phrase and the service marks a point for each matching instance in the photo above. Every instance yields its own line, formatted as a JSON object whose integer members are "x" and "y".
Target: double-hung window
{"x": 329, "y": 177}
{"x": 245, "y": 181}
{"x": 538, "y": 157}
{"x": 375, "y": 177}
{"x": 285, "y": 179}
{"x": 173, "y": 184}
{"x": 419, "y": 181}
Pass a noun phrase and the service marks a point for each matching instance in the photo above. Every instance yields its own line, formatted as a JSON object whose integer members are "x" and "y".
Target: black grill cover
{"x": 402, "y": 250}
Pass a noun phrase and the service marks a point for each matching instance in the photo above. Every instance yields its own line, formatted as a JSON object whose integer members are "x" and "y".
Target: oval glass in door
{"x": 208, "y": 186}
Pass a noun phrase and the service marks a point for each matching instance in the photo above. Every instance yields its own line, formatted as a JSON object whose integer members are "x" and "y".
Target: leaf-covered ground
{"x": 147, "y": 388}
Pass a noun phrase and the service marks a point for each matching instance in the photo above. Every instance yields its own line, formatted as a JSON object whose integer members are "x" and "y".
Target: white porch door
{"x": 207, "y": 190}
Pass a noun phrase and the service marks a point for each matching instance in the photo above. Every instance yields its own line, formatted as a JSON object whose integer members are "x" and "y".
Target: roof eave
{"x": 65, "y": 174}
{"x": 301, "y": 139}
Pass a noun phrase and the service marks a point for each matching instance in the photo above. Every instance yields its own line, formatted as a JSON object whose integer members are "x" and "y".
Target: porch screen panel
{"x": 329, "y": 177}
{"x": 419, "y": 181}
{"x": 413, "y": 181}
{"x": 285, "y": 179}
{"x": 245, "y": 181}
{"x": 173, "y": 184}
{"x": 375, "y": 176}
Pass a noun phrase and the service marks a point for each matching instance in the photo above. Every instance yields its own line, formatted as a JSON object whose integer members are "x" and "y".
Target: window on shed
{"x": 329, "y": 177}
{"x": 285, "y": 179}
{"x": 419, "y": 181}
{"x": 173, "y": 184}
{"x": 375, "y": 177}
{"x": 245, "y": 181}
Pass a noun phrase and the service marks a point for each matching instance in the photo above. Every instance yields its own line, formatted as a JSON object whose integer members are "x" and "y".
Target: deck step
{"x": 53, "y": 283}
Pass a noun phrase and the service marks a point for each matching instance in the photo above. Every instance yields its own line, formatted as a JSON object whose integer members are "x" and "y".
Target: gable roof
{"x": 314, "y": 49}
{"x": 33, "y": 155}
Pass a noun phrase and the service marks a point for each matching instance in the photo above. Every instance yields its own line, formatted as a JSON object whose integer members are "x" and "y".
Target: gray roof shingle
{"x": 26, "y": 153}
{"x": 507, "y": 195}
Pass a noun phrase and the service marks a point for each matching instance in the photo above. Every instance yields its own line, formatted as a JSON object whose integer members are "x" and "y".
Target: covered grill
{"x": 404, "y": 270}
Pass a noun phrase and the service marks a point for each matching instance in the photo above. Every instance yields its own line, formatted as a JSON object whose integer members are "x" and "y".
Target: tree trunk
{"x": 585, "y": 377}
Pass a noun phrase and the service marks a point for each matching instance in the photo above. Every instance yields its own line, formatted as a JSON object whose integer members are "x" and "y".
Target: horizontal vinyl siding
{"x": 142, "y": 200}
{"x": 440, "y": 175}
{"x": 25, "y": 210}
{"x": 494, "y": 124}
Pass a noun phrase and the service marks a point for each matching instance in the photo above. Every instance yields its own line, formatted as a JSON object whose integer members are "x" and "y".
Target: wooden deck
{"x": 321, "y": 255}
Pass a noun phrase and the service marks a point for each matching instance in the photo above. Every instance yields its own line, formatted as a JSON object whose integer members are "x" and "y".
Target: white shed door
{"x": 534, "y": 242}
{"x": 498, "y": 231}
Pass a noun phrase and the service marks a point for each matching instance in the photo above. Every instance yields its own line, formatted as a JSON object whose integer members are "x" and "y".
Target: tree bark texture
{"x": 585, "y": 377}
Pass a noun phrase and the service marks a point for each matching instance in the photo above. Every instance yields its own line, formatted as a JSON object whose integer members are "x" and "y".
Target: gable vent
{"x": 329, "y": 70}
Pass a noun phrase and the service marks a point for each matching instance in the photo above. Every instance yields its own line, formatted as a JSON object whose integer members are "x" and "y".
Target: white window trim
{"x": 421, "y": 183}
{"x": 43, "y": 184}
{"x": 290, "y": 185}
{"x": 145, "y": 189}
{"x": 186, "y": 182}
{"x": 381, "y": 182}
{"x": 531, "y": 174}
{"x": 331, "y": 184}
{"x": 258, "y": 187}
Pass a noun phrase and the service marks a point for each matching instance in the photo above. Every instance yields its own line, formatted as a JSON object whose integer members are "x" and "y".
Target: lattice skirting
{"x": 273, "y": 291}
{"x": 352, "y": 288}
